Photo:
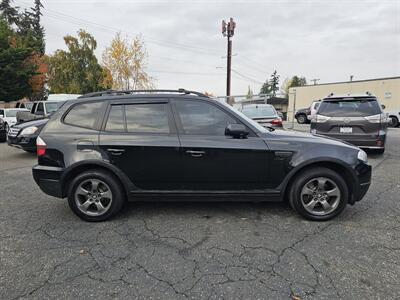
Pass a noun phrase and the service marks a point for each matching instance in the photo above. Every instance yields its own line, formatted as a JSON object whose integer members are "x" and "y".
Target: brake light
{"x": 40, "y": 146}
{"x": 320, "y": 119}
{"x": 276, "y": 121}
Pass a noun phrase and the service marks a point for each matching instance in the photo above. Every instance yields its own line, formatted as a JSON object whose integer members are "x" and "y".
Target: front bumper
{"x": 27, "y": 143}
{"x": 363, "y": 173}
{"x": 49, "y": 179}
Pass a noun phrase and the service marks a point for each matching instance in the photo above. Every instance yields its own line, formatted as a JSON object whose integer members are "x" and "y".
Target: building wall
{"x": 387, "y": 90}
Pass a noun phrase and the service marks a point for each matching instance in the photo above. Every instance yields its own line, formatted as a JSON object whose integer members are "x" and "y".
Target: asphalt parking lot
{"x": 198, "y": 250}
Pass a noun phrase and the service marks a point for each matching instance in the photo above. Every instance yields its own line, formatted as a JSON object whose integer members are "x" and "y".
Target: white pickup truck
{"x": 394, "y": 117}
{"x": 41, "y": 109}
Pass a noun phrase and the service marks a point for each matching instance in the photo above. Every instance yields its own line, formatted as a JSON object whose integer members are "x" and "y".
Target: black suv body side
{"x": 181, "y": 146}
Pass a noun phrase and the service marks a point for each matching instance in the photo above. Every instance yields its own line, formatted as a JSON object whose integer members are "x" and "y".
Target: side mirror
{"x": 237, "y": 131}
{"x": 383, "y": 106}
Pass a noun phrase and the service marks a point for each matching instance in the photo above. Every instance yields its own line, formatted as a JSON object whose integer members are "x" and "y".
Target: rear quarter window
{"x": 83, "y": 115}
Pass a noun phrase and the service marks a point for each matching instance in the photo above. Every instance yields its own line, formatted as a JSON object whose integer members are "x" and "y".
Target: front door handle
{"x": 195, "y": 153}
{"x": 115, "y": 151}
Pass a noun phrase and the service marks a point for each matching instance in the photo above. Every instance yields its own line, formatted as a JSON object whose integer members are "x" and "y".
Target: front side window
{"x": 200, "y": 118}
{"x": 151, "y": 118}
{"x": 83, "y": 115}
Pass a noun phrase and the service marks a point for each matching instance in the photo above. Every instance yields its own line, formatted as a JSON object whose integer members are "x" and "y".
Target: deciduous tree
{"x": 127, "y": 63}
{"x": 76, "y": 71}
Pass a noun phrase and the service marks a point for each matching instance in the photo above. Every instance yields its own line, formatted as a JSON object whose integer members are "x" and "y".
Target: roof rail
{"x": 116, "y": 92}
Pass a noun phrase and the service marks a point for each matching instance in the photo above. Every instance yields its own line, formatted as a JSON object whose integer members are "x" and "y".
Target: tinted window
{"x": 40, "y": 108}
{"x": 202, "y": 118}
{"x": 259, "y": 111}
{"x": 1, "y": 112}
{"x": 349, "y": 108}
{"x": 34, "y": 107}
{"x": 83, "y": 115}
{"x": 147, "y": 118}
{"x": 115, "y": 120}
{"x": 53, "y": 106}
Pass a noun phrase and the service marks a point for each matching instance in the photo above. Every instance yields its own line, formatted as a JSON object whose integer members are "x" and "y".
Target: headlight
{"x": 362, "y": 156}
{"x": 29, "y": 130}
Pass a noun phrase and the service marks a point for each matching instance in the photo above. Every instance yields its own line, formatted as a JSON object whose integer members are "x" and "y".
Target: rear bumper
{"x": 362, "y": 141}
{"x": 49, "y": 179}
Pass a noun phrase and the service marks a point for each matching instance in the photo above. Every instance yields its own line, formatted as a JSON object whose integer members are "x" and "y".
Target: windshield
{"x": 53, "y": 106}
{"x": 349, "y": 108}
{"x": 259, "y": 111}
{"x": 252, "y": 122}
{"x": 11, "y": 113}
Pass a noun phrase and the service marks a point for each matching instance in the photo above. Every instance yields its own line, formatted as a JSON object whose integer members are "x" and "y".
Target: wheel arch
{"x": 78, "y": 168}
{"x": 332, "y": 164}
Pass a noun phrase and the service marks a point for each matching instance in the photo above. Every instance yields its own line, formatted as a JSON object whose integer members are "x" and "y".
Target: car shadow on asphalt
{"x": 205, "y": 210}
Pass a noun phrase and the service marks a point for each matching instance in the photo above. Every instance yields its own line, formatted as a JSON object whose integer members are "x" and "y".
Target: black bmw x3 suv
{"x": 106, "y": 148}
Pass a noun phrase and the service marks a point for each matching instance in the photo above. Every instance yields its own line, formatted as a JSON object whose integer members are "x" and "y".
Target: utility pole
{"x": 315, "y": 80}
{"x": 228, "y": 30}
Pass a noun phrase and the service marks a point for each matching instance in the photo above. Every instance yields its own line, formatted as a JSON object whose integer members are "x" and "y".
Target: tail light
{"x": 377, "y": 118}
{"x": 320, "y": 119}
{"x": 40, "y": 146}
{"x": 276, "y": 121}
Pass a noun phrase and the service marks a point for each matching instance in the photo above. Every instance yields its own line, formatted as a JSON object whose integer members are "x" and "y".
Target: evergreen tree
{"x": 15, "y": 72}
{"x": 274, "y": 83}
{"x": 7, "y": 12}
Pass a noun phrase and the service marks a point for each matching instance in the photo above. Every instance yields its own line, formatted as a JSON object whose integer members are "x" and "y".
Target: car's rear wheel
{"x": 95, "y": 195}
{"x": 318, "y": 194}
{"x": 301, "y": 119}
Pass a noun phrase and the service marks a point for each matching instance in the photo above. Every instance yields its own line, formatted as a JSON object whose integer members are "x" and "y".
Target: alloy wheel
{"x": 93, "y": 197}
{"x": 320, "y": 196}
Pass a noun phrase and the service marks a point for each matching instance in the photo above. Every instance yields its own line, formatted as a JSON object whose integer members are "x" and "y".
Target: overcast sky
{"x": 329, "y": 40}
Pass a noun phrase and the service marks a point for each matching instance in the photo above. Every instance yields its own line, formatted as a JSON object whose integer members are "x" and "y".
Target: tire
{"x": 110, "y": 194}
{"x": 301, "y": 119}
{"x": 395, "y": 122}
{"x": 7, "y": 128}
{"x": 300, "y": 197}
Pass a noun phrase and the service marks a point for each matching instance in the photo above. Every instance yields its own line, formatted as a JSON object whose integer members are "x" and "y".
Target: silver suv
{"x": 357, "y": 119}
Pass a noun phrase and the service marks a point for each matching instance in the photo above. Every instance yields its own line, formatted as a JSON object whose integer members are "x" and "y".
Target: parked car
{"x": 394, "y": 118}
{"x": 304, "y": 115}
{"x": 301, "y": 115}
{"x": 3, "y": 132}
{"x": 45, "y": 108}
{"x": 9, "y": 116}
{"x": 109, "y": 147}
{"x": 354, "y": 118}
{"x": 264, "y": 114}
{"x": 24, "y": 135}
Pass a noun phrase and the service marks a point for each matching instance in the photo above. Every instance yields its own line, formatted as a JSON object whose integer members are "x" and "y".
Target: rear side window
{"x": 83, "y": 115}
{"x": 350, "y": 108}
{"x": 115, "y": 120}
{"x": 151, "y": 118}
{"x": 40, "y": 108}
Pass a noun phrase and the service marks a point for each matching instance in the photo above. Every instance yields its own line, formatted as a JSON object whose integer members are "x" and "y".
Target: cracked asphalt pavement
{"x": 198, "y": 250}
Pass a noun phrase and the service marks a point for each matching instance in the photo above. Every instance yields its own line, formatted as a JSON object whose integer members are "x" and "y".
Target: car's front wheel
{"x": 95, "y": 195}
{"x": 301, "y": 119}
{"x": 319, "y": 194}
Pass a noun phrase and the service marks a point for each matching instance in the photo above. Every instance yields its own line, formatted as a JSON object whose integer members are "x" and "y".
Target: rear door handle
{"x": 115, "y": 151}
{"x": 195, "y": 153}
